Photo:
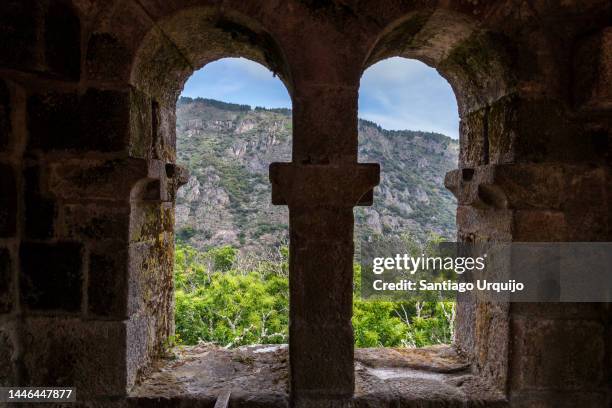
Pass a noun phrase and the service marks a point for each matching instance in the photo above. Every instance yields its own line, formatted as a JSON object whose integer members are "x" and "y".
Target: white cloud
{"x": 406, "y": 94}
{"x": 250, "y": 68}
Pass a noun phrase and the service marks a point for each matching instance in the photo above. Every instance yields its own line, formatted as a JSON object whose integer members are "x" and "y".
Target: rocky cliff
{"x": 228, "y": 148}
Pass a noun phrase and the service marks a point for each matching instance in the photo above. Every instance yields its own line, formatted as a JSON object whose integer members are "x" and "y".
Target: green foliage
{"x": 221, "y": 303}
{"x": 223, "y": 258}
{"x": 185, "y": 234}
{"x": 217, "y": 304}
{"x": 234, "y": 107}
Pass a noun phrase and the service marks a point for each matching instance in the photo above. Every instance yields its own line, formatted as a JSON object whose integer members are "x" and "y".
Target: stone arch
{"x": 151, "y": 53}
{"x": 70, "y": 161}
{"x": 191, "y": 38}
{"x": 478, "y": 64}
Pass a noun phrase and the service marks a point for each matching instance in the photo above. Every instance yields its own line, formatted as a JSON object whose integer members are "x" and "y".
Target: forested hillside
{"x": 228, "y": 148}
{"x": 231, "y": 264}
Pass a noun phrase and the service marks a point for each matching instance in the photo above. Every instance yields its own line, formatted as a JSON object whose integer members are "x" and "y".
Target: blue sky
{"x": 396, "y": 93}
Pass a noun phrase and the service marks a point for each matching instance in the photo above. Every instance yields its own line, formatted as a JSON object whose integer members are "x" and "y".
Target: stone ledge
{"x": 258, "y": 376}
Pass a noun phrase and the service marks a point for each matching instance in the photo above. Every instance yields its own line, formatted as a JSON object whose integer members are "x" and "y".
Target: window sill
{"x": 257, "y": 376}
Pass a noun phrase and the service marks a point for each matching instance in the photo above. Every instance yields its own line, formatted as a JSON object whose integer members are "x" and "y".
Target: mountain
{"x": 228, "y": 148}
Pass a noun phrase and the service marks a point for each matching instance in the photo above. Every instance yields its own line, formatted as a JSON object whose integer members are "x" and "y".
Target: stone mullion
{"x": 321, "y": 186}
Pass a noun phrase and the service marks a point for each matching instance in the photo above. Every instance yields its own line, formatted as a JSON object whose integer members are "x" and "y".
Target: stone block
{"x": 97, "y": 120}
{"x": 480, "y": 225}
{"x": 320, "y": 133}
{"x": 150, "y": 278}
{"x": 560, "y": 354}
{"x": 565, "y": 310}
{"x": 142, "y": 345}
{"x": 314, "y": 185}
{"x": 40, "y": 211}
{"x": 106, "y": 57}
{"x": 105, "y": 120}
{"x": 141, "y": 125}
{"x": 321, "y": 360}
{"x": 107, "y": 289}
{"x": 8, "y": 356}
{"x": 149, "y": 220}
{"x": 41, "y": 36}
{"x": 89, "y": 355}
{"x": 586, "y": 191}
{"x": 6, "y": 281}
{"x": 323, "y": 284}
{"x": 51, "y": 276}
{"x": 19, "y": 45}
{"x": 53, "y": 121}
{"x": 97, "y": 222}
{"x": 119, "y": 33}
{"x": 500, "y": 130}
{"x": 8, "y": 201}
{"x": 539, "y": 226}
{"x": 5, "y": 117}
{"x": 62, "y": 38}
{"x": 593, "y": 71}
{"x": 478, "y": 68}
{"x": 560, "y": 399}
{"x": 472, "y": 139}
{"x": 96, "y": 179}
{"x": 160, "y": 68}
{"x": 166, "y": 134}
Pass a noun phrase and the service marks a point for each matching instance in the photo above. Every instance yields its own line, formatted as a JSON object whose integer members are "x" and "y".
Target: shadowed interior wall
{"x": 88, "y": 176}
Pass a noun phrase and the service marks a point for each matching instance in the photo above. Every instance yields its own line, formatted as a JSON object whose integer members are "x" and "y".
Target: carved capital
{"x": 323, "y": 185}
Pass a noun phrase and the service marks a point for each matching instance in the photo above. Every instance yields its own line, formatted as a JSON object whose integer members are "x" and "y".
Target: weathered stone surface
{"x": 562, "y": 354}
{"x": 40, "y": 210}
{"x": 559, "y": 399}
{"x": 149, "y": 220}
{"x": 325, "y": 126}
{"x": 593, "y": 71}
{"x": 19, "y": 40}
{"x": 141, "y": 125}
{"x": 105, "y": 58}
{"x": 62, "y": 36}
{"x": 6, "y": 281}
{"x": 53, "y": 121}
{"x": 96, "y": 222}
{"x": 40, "y": 37}
{"x": 311, "y": 185}
{"x": 51, "y": 276}
{"x": 472, "y": 140}
{"x": 107, "y": 289}
{"x": 160, "y": 68}
{"x": 258, "y": 377}
{"x": 5, "y": 116}
{"x": 97, "y": 120}
{"x": 480, "y": 69}
{"x": 533, "y": 87}
{"x": 115, "y": 40}
{"x": 8, "y": 355}
{"x": 500, "y": 134}
{"x": 89, "y": 355}
{"x": 96, "y": 179}
{"x": 8, "y": 201}
{"x": 561, "y": 187}
{"x": 542, "y": 226}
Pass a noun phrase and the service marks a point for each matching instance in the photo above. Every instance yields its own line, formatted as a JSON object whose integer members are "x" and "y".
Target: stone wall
{"x": 87, "y": 176}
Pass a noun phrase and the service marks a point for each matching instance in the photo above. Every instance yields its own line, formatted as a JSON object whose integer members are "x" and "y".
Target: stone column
{"x": 539, "y": 176}
{"x": 321, "y": 200}
{"x": 321, "y": 186}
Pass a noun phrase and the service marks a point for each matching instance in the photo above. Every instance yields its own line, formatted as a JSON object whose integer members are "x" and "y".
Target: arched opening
{"x": 409, "y": 123}
{"x": 233, "y": 119}
{"x": 88, "y": 182}
{"x": 478, "y": 66}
